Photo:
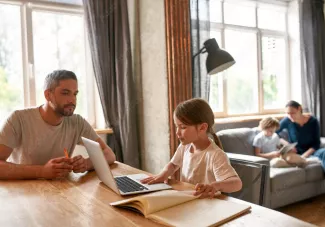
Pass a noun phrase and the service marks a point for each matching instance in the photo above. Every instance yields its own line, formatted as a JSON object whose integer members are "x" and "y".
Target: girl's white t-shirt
{"x": 207, "y": 166}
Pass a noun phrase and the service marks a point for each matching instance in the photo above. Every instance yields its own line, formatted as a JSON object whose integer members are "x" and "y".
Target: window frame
{"x": 27, "y": 7}
{"x": 222, "y": 26}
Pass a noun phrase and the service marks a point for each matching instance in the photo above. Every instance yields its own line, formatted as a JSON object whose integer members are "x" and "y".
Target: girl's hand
{"x": 160, "y": 178}
{"x": 205, "y": 190}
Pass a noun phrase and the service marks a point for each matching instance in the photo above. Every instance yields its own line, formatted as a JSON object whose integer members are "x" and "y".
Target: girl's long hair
{"x": 197, "y": 111}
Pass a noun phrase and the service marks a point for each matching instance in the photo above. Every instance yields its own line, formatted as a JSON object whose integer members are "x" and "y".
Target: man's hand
{"x": 56, "y": 168}
{"x": 79, "y": 164}
{"x": 160, "y": 178}
{"x": 205, "y": 190}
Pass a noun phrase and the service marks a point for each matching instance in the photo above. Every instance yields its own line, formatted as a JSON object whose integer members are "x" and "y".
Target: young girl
{"x": 200, "y": 160}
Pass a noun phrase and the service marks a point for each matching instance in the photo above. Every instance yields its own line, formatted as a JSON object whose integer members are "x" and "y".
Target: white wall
{"x": 147, "y": 26}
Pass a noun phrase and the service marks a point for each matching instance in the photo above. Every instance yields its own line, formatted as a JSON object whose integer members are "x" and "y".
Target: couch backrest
{"x": 239, "y": 140}
{"x": 219, "y": 126}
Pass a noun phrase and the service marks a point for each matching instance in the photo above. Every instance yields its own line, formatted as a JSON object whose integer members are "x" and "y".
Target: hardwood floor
{"x": 311, "y": 210}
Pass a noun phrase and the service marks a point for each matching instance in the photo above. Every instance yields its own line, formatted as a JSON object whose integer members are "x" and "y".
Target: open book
{"x": 286, "y": 148}
{"x": 181, "y": 208}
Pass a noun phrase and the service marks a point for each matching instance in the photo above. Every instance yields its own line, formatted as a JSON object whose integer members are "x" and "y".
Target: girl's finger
{"x": 145, "y": 180}
{"x": 153, "y": 180}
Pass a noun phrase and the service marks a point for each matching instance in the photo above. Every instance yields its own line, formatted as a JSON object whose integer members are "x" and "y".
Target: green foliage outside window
{"x": 9, "y": 95}
{"x": 270, "y": 90}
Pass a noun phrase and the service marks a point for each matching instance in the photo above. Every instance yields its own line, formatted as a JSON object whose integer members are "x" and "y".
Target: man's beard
{"x": 63, "y": 111}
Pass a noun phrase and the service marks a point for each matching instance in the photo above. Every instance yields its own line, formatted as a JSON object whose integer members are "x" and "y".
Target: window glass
{"x": 273, "y": 72}
{"x": 239, "y": 13}
{"x": 215, "y": 11}
{"x": 271, "y": 18}
{"x": 59, "y": 44}
{"x": 72, "y": 2}
{"x": 242, "y": 83}
{"x": 11, "y": 70}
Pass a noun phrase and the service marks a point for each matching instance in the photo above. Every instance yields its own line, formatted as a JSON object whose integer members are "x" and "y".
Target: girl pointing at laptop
{"x": 200, "y": 159}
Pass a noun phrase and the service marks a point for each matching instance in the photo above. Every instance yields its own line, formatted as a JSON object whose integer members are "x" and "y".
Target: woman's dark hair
{"x": 294, "y": 104}
{"x": 197, "y": 111}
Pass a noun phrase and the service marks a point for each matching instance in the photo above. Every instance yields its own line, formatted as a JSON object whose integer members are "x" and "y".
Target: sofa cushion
{"x": 238, "y": 140}
{"x": 284, "y": 178}
{"x": 314, "y": 172}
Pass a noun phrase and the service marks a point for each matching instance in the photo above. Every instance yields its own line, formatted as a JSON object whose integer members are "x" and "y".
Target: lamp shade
{"x": 217, "y": 59}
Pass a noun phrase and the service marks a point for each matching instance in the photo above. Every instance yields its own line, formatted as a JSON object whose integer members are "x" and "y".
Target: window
{"x": 62, "y": 36}
{"x": 273, "y": 72}
{"x": 259, "y": 82}
{"x": 11, "y": 83}
{"x": 35, "y": 39}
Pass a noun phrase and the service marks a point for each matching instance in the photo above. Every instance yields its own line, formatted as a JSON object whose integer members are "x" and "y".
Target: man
{"x": 32, "y": 141}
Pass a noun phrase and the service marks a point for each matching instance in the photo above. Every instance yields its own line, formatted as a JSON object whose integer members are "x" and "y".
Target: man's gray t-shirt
{"x": 35, "y": 142}
{"x": 266, "y": 143}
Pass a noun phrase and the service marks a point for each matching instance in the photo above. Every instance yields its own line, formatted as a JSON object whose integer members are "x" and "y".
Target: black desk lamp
{"x": 218, "y": 59}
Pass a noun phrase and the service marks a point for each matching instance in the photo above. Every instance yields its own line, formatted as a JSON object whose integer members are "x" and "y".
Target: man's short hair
{"x": 53, "y": 79}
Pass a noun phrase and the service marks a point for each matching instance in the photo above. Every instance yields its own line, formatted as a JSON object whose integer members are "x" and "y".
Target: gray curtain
{"x": 200, "y": 32}
{"x": 109, "y": 37}
{"x": 313, "y": 45}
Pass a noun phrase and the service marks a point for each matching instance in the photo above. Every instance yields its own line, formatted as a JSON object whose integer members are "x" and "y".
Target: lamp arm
{"x": 202, "y": 50}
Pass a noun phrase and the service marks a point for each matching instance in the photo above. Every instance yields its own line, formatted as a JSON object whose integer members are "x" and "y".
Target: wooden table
{"x": 82, "y": 200}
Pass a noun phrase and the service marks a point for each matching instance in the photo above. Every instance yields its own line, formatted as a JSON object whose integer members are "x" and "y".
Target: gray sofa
{"x": 282, "y": 186}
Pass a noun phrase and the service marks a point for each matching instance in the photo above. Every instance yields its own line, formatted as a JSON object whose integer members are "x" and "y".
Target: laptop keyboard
{"x": 126, "y": 184}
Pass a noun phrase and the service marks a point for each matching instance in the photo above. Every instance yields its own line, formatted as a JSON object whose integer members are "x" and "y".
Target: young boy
{"x": 267, "y": 142}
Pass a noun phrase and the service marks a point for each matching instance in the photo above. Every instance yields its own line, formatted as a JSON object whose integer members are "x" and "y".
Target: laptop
{"x": 122, "y": 185}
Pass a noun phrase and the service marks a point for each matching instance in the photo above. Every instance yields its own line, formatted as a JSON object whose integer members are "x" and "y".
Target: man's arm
{"x": 54, "y": 168}
{"x": 13, "y": 171}
{"x": 108, "y": 153}
{"x": 81, "y": 165}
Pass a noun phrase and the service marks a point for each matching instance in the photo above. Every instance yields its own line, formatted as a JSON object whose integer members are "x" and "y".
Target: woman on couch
{"x": 304, "y": 130}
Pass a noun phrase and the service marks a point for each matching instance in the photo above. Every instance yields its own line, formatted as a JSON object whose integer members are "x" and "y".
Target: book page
{"x": 199, "y": 212}
{"x": 286, "y": 148}
{"x": 156, "y": 201}
{"x": 135, "y": 206}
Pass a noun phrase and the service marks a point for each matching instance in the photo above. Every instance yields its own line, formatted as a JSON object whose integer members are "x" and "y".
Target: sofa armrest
{"x": 248, "y": 158}
{"x": 255, "y": 175}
